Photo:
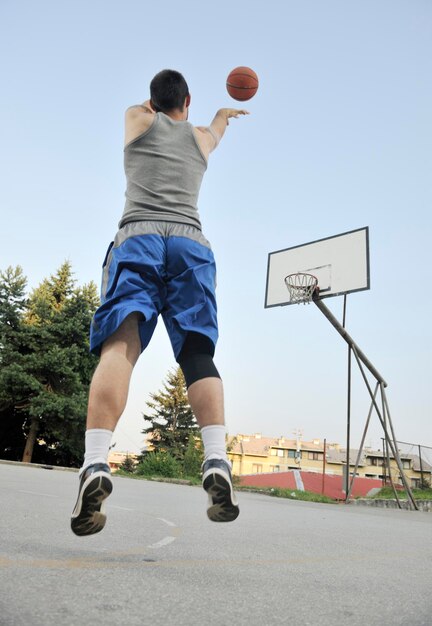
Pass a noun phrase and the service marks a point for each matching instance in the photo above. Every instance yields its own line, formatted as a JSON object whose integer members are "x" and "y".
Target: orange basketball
{"x": 242, "y": 83}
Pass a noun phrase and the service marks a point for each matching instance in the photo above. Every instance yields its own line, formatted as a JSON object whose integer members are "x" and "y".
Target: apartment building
{"x": 255, "y": 454}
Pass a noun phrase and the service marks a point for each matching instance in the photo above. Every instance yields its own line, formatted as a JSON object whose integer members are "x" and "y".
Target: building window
{"x": 294, "y": 454}
{"x": 277, "y": 452}
{"x": 376, "y": 461}
{"x": 275, "y": 468}
{"x": 315, "y": 456}
{"x": 406, "y": 463}
{"x": 257, "y": 468}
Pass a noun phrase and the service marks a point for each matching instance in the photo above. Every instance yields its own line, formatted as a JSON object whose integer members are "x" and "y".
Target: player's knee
{"x": 196, "y": 359}
{"x": 198, "y": 366}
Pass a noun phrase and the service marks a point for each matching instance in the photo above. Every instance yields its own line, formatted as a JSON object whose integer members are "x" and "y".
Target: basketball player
{"x": 159, "y": 263}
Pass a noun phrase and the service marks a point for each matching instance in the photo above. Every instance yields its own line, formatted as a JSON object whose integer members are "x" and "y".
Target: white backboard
{"x": 340, "y": 263}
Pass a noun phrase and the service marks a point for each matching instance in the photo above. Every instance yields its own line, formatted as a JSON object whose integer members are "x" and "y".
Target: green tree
{"x": 159, "y": 464}
{"x": 193, "y": 458}
{"x": 128, "y": 464}
{"x": 12, "y": 307}
{"x": 172, "y": 423}
{"x": 46, "y": 366}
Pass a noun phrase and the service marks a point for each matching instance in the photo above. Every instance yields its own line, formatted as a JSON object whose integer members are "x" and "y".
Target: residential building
{"x": 255, "y": 454}
{"x": 116, "y": 459}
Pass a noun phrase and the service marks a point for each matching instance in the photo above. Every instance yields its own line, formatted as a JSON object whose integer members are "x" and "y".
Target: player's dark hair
{"x": 168, "y": 91}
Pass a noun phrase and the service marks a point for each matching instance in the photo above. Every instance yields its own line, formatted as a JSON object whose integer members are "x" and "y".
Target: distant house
{"x": 255, "y": 454}
{"x": 116, "y": 459}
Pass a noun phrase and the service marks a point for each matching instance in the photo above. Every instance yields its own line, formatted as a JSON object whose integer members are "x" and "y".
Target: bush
{"x": 193, "y": 459}
{"x": 159, "y": 464}
{"x": 128, "y": 465}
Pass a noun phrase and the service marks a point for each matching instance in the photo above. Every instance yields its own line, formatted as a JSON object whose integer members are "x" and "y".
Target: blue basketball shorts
{"x": 158, "y": 268}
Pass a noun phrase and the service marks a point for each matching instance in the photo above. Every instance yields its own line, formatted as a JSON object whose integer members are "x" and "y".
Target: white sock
{"x": 214, "y": 442}
{"x": 97, "y": 445}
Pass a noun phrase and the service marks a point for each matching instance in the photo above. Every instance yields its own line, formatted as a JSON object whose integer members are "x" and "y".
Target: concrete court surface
{"x": 159, "y": 560}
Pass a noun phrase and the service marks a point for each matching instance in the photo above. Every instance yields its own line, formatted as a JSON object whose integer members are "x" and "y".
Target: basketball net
{"x": 301, "y": 287}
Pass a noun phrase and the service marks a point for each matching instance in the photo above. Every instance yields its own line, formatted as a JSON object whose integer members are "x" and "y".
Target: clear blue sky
{"x": 339, "y": 137}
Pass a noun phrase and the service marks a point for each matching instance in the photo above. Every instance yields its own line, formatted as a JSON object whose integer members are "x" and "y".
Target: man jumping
{"x": 159, "y": 263}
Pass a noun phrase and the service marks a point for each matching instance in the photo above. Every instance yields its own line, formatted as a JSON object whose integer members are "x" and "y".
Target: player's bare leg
{"x": 207, "y": 402}
{"x": 110, "y": 385}
{"x": 107, "y": 401}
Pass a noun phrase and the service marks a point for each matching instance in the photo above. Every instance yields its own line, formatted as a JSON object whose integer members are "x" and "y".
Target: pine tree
{"x": 51, "y": 295}
{"x": 12, "y": 307}
{"x": 128, "y": 464}
{"x": 46, "y": 367}
{"x": 172, "y": 423}
{"x": 193, "y": 458}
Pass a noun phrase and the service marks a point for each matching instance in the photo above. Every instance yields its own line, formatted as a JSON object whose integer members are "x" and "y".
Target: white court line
{"x": 166, "y": 540}
{"x": 166, "y": 521}
{"x": 163, "y": 542}
{"x": 123, "y": 508}
{"x": 37, "y": 493}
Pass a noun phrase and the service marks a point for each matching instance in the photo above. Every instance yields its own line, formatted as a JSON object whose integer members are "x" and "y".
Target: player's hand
{"x": 228, "y": 113}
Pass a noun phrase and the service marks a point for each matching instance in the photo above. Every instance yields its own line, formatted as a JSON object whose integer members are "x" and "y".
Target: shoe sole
{"x": 88, "y": 516}
{"x": 223, "y": 506}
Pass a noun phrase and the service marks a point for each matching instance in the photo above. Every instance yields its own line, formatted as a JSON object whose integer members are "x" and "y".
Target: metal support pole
{"x": 361, "y": 358}
{"x": 350, "y": 341}
{"x": 381, "y": 417}
{"x": 386, "y": 461}
{"x": 390, "y": 442}
{"x": 348, "y": 435}
{"x": 421, "y": 468}
{"x": 324, "y": 467}
{"x": 384, "y": 478}
{"x": 348, "y": 451}
{"x": 348, "y": 493}
{"x": 396, "y": 453}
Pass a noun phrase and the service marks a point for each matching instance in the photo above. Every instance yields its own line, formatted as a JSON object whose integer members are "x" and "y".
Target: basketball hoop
{"x": 301, "y": 287}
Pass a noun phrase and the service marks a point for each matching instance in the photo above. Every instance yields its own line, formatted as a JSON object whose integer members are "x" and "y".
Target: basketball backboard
{"x": 340, "y": 263}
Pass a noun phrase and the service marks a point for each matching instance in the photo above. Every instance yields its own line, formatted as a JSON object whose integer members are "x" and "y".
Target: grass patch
{"x": 276, "y": 492}
{"x": 187, "y": 480}
{"x": 387, "y": 493}
{"x": 292, "y": 494}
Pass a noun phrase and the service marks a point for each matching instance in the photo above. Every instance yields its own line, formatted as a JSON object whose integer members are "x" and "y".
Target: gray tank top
{"x": 164, "y": 169}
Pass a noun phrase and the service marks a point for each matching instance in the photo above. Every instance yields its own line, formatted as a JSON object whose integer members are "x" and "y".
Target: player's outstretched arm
{"x": 210, "y": 136}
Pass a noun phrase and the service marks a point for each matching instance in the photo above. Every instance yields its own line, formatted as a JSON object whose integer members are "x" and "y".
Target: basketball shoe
{"x": 217, "y": 481}
{"x": 88, "y": 516}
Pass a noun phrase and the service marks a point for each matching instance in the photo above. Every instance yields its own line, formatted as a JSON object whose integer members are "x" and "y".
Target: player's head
{"x": 169, "y": 92}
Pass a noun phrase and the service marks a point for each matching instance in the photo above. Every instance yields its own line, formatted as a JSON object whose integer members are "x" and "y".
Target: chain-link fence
{"x": 417, "y": 463}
